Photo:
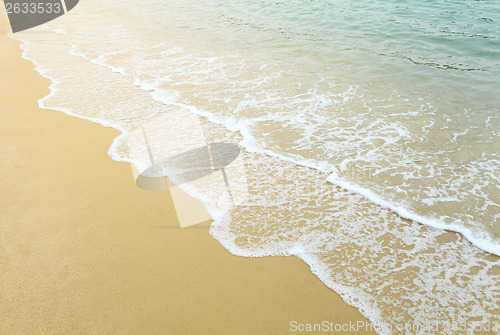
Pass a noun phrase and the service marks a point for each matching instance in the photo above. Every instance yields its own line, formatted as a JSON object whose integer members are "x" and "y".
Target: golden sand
{"x": 83, "y": 250}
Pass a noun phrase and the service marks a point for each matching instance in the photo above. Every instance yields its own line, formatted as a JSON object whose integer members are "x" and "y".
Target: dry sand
{"x": 83, "y": 250}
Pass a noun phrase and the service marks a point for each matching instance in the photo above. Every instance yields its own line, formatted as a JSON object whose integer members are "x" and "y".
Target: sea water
{"x": 366, "y": 128}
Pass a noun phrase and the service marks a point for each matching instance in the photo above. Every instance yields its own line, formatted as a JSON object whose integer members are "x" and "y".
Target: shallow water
{"x": 396, "y": 100}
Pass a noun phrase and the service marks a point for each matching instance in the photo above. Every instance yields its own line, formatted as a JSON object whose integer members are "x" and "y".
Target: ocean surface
{"x": 366, "y": 128}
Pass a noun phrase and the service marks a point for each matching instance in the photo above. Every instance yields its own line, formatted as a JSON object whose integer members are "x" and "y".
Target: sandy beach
{"x": 83, "y": 250}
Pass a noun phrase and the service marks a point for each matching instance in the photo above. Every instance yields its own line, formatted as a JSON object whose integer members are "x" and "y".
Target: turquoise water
{"x": 408, "y": 38}
{"x": 365, "y": 127}
{"x": 397, "y": 99}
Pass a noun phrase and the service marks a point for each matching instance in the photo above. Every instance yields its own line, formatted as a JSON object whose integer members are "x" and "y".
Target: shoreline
{"x": 477, "y": 238}
{"x": 84, "y": 250}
